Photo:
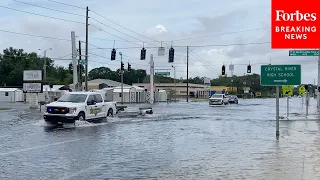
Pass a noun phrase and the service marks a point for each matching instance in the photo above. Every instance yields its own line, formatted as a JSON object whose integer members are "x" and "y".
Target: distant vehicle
{"x": 233, "y": 99}
{"x": 82, "y": 106}
{"x": 218, "y": 99}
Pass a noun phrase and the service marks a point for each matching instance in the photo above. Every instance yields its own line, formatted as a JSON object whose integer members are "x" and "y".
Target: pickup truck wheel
{"x": 110, "y": 113}
{"x": 81, "y": 117}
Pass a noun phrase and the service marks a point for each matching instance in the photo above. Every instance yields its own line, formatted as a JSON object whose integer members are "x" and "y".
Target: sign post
{"x": 307, "y": 103}
{"x": 287, "y": 91}
{"x": 277, "y": 113}
{"x": 280, "y": 75}
{"x": 32, "y": 83}
{"x": 288, "y": 106}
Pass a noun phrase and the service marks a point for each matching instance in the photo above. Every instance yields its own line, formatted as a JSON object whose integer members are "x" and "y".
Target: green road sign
{"x": 279, "y": 75}
{"x": 162, "y": 73}
{"x": 304, "y": 53}
{"x": 83, "y": 62}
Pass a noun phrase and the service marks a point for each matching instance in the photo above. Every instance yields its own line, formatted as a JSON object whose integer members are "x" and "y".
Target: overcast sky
{"x": 191, "y": 23}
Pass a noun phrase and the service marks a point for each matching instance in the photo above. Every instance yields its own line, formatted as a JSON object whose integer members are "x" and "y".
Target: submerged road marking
{"x": 81, "y": 171}
{"x": 44, "y": 146}
{"x": 4, "y": 136}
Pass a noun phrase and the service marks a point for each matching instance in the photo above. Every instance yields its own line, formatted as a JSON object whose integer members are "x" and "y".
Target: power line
{"x": 102, "y": 39}
{"x": 118, "y": 60}
{"x": 123, "y": 26}
{"x": 220, "y": 34}
{"x": 208, "y": 45}
{"x": 114, "y": 35}
{"x": 48, "y": 8}
{"x": 24, "y": 34}
{"x": 117, "y": 30}
{"x": 42, "y": 15}
{"x": 67, "y": 4}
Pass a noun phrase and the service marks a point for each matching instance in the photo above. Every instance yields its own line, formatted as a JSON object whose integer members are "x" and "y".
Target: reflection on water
{"x": 178, "y": 141}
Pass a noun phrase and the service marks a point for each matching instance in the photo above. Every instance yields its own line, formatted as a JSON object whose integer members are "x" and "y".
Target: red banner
{"x": 295, "y": 24}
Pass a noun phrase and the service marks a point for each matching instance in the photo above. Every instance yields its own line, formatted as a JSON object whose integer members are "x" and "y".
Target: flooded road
{"x": 179, "y": 141}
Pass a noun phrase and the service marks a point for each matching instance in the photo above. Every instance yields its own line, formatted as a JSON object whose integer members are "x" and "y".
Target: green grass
{"x": 198, "y": 100}
{"x": 3, "y": 109}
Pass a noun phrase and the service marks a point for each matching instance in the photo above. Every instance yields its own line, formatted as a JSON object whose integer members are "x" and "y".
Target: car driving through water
{"x": 218, "y": 99}
{"x": 233, "y": 99}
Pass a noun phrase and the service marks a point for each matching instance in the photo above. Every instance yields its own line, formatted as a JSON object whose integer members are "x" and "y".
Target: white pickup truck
{"x": 218, "y": 99}
{"x": 83, "y": 106}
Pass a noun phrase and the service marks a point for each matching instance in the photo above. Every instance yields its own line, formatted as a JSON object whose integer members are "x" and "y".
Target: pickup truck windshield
{"x": 74, "y": 98}
{"x": 216, "y": 96}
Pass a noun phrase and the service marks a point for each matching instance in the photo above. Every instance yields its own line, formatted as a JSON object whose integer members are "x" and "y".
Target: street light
{"x": 45, "y": 63}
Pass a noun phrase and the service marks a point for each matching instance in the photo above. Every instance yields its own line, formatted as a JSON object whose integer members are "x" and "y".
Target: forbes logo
{"x": 281, "y": 15}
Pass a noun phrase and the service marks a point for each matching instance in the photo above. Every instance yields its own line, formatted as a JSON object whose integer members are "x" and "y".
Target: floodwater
{"x": 179, "y": 141}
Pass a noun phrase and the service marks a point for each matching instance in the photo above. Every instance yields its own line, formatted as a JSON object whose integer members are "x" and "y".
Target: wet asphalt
{"x": 179, "y": 141}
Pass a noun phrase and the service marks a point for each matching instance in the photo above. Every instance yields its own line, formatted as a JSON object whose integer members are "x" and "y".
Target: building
{"x": 131, "y": 94}
{"x": 103, "y": 83}
{"x": 195, "y": 90}
{"x": 11, "y": 95}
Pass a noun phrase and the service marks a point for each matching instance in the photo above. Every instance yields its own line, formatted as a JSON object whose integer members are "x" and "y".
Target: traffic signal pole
{"x": 121, "y": 79}
{"x": 187, "y": 73}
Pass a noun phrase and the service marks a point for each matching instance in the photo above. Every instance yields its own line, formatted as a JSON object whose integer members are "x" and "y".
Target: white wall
{"x": 9, "y": 98}
{"x": 13, "y": 96}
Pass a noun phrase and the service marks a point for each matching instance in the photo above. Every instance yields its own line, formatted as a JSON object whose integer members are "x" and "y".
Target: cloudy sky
{"x": 217, "y": 33}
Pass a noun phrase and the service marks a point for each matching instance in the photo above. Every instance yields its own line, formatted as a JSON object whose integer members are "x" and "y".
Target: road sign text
{"x": 276, "y": 75}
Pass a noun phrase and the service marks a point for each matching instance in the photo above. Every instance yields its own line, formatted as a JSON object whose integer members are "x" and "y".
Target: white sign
{"x": 32, "y": 87}
{"x": 206, "y": 81}
{"x": 231, "y": 67}
{"x": 161, "y": 51}
{"x": 32, "y": 75}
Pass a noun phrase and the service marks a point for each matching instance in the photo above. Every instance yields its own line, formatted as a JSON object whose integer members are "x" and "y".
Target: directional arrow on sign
{"x": 284, "y": 80}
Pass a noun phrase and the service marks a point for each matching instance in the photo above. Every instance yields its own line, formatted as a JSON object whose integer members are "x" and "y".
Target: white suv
{"x": 218, "y": 99}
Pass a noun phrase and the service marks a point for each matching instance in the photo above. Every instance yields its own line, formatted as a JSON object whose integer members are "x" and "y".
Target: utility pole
{"x": 45, "y": 65}
{"x": 121, "y": 79}
{"x": 74, "y": 59}
{"x": 79, "y": 68}
{"x": 187, "y": 73}
{"x": 86, "y": 58}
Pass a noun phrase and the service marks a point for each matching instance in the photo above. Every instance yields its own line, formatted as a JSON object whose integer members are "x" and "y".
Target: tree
{"x": 14, "y": 61}
{"x": 129, "y": 77}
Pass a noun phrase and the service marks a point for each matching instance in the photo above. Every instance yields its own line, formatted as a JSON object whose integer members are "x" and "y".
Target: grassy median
{"x": 3, "y": 109}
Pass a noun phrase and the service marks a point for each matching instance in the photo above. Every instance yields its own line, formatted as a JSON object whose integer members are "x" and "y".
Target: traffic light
{"x": 113, "y": 54}
{"x": 306, "y": 87}
{"x": 129, "y": 67}
{"x": 171, "y": 55}
{"x": 122, "y": 66}
{"x": 223, "y": 70}
{"x": 143, "y": 54}
{"x": 249, "y": 69}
